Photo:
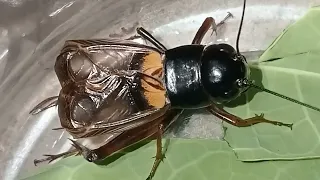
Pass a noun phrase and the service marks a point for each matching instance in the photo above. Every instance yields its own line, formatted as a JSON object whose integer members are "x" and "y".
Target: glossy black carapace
{"x": 204, "y": 74}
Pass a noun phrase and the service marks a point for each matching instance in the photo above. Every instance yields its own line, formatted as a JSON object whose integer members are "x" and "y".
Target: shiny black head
{"x": 222, "y": 72}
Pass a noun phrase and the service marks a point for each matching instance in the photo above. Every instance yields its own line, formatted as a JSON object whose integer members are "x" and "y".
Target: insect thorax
{"x": 183, "y": 77}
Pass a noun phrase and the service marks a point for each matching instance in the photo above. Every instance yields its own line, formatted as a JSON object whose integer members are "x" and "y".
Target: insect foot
{"x": 261, "y": 118}
{"x": 49, "y": 158}
{"x": 52, "y": 157}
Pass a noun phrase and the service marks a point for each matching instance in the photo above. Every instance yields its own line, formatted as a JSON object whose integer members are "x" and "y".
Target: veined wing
{"x": 110, "y": 87}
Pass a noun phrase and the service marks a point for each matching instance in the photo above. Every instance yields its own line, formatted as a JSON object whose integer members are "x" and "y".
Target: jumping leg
{"x": 237, "y": 121}
{"x": 208, "y": 23}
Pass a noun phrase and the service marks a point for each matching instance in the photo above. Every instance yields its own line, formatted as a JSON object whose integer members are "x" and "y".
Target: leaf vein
{"x": 288, "y": 70}
{"x": 305, "y": 111}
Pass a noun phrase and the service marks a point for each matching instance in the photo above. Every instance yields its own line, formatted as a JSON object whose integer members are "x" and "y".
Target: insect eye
{"x": 242, "y": 58}
{"x": 239, "y": 57}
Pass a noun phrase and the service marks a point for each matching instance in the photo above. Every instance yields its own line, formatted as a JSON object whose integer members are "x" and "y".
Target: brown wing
{"x": 132, "y": 136}
{"x": 108, "y": 87}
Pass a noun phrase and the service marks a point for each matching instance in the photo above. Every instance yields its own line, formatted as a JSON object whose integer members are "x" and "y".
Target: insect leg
{"x": 208, "y": 23}
{"x": 78, "y": 149}
{"x": 229, "y": 15}
{"x": 159, "y": 154}
{"x": 169, "y": 118}
{"x": 52, "y": 157}
{"x": 237, "y": 121}
{"x": 45, "y": 104}
{"x": 145, "y": 34}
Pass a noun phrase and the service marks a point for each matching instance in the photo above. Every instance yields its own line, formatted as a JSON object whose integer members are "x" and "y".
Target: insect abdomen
{"x": 183, "y": 78}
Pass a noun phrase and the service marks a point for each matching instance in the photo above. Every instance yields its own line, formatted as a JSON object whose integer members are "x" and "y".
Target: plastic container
{"x": 32, "y": 33}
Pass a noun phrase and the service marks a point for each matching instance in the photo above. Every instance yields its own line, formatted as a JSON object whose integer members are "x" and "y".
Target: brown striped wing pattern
{"x": 109, "y": 87}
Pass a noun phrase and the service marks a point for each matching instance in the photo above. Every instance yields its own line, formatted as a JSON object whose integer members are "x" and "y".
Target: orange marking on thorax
{"x": 154, "y": 91}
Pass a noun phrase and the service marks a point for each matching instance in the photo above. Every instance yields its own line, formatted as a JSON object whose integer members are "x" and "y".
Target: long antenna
{"x": 250, "y": 84}
{"x": 240, "y": 27}
{"x": 246, "y": 82}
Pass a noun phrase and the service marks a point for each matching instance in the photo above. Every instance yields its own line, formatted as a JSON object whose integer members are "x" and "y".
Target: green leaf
{"x": 290, "y": 66}
{"x": 300, "y": 37}
{"x": 185, "y": 160}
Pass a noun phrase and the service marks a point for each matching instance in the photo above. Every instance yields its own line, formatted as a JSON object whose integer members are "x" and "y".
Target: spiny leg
{"x": 78, "y": 149}
{"x": 146, "y": 35}
{"x": 159, "y": 154}
{"x": 52, "y": 157}
{"x": 237, "y": 121}
{"x": 229, "y": 15}
{"x": 208, "y": 23}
